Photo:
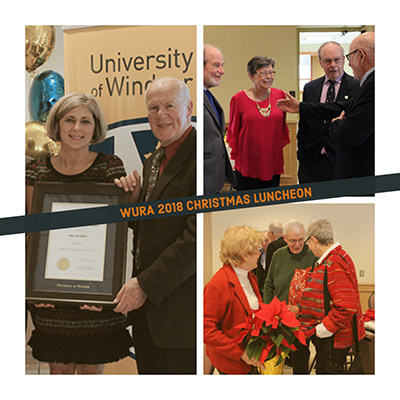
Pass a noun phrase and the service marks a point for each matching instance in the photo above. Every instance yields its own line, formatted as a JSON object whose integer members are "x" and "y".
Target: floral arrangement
{"x": 270, "y": 332}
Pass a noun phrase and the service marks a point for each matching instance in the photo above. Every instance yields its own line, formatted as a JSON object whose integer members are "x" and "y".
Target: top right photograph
{"x": 287, "y": 104}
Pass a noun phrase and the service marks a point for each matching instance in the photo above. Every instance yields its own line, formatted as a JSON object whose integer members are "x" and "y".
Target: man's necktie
{"x": 330, "y": 95}
{"x": 209, "y": 95}
{"x": 155, "y": 168}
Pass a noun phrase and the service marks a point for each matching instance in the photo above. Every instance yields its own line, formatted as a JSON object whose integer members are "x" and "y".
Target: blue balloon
{"x": 46, "y": 89}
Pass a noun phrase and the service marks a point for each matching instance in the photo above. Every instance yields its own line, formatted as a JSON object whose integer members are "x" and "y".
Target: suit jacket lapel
{"x": 239, "y": 292}
{"x": 344, "y": 89}
{"x": 210, "y": 108}
{"x": 316, "y": 93}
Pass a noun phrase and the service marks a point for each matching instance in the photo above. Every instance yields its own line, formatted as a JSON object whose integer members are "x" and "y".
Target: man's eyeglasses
{"x": 300, "y": 242}
{"x": 348, "y": 55}
{"x": 328, "y": 61}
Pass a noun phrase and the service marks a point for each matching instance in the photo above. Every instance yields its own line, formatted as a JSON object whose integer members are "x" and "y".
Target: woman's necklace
{"x": 265, "y": 112}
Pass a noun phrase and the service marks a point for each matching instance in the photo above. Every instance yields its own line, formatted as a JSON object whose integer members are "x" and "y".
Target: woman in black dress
{"x": 76, "y": 339}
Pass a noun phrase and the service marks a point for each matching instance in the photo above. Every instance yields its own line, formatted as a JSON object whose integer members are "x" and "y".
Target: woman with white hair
{"x": 317, "y": 323}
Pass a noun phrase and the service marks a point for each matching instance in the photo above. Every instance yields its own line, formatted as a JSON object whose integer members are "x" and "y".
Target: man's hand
{"x": 290, "y": 104}
{"x": 341, "y": 116}
{"x": 130, "y": 297}
{"x": 130, "y": 183}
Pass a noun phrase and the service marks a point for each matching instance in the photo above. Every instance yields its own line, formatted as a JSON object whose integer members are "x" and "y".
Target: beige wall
{"x": 240, "y": 43}
{"x": 353, "y": 227}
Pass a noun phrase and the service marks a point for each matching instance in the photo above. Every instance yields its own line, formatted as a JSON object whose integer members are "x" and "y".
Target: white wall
{"x": 353, "y": 227}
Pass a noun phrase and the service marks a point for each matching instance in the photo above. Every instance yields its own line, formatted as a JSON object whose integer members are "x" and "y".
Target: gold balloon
{"x": 37, "y": 143}
{"x": 39, "y": 44}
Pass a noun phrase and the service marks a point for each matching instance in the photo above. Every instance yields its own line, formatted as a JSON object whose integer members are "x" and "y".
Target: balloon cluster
{"x": 47, "y": 87}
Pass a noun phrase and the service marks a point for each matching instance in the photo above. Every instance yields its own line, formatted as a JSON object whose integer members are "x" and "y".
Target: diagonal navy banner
{"x": 366, "y": 186}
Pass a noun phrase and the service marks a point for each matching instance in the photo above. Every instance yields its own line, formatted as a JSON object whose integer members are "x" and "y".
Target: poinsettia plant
{"x": 270, "y": 331}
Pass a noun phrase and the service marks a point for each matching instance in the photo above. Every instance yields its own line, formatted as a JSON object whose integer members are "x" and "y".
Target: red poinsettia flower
{"x": 290, "y": 346}
{"x": 300, "y": 336}
{"x": 244, "y": 329}
{"x": 270, "y": 331}
{"x": 276, "y": 312}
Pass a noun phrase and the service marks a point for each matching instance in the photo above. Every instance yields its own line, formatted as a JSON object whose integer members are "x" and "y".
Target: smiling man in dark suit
{"x": 161, "y": 296}
{"x": 217, "y": 167}
{"x": 353, "y": 124}
{"x": 316, "y": 152}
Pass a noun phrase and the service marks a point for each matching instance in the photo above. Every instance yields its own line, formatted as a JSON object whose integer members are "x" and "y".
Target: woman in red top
{"x": 257, "y": 130}
{"x": 317, "y": 324}
{"x": 230, "y": 296}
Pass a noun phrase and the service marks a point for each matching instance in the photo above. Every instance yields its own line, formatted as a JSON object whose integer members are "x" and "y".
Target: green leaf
{"x": 277, "y": 338}
{"x": 254, "y": 348}
{"x": 280, "y": 360}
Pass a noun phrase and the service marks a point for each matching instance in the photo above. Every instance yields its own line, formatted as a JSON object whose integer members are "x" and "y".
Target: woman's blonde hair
{"x": 238, "y": 241}
{"x": 66, "y": 104}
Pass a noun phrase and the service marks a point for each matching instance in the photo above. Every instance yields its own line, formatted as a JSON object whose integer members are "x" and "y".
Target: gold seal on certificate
{"x": 63, "y": 264}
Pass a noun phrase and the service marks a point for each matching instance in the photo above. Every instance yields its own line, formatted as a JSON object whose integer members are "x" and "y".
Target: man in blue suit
{"x": 316, "y": 152}
{"x": 217, "y": 167}
{"x": 352, "y": 128}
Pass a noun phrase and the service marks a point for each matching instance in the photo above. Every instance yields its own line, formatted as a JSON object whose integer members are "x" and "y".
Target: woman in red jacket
{"x": 230, "y": 296}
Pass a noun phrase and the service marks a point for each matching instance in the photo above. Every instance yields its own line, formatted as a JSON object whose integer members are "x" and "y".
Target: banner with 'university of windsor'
{"x": 116, "y": 64}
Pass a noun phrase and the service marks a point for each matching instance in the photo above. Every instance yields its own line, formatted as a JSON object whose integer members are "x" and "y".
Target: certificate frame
{"x": 109, "y": 263}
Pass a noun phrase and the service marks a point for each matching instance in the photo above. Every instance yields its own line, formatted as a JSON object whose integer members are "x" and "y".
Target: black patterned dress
{"x": 67, "y": 334}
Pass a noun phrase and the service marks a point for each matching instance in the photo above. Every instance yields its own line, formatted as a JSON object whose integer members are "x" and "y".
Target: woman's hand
{"x": 91, "y": 308}
{"x": 253, "y": 361}
{"x": 85, "y": 307}
{"x": 44, "y": 305}
{"x": 130, "y": 183}
{"x": 293, "y": 309}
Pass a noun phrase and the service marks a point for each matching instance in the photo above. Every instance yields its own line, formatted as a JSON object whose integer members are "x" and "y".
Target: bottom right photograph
{"x": 289, "y": 289}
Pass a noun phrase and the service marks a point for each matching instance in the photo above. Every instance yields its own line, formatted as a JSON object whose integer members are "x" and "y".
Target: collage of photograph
{"x": 203, "y": 200}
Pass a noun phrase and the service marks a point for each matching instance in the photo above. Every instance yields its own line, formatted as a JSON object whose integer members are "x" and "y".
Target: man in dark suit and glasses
{"x": 217, "y": 167}
{"x": 161, "y": 296}
{"x": 353, "y": 124}
{"x": 316, "y": 152}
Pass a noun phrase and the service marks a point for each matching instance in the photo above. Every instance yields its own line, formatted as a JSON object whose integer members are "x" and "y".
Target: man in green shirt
{"x": 285, "y": 260}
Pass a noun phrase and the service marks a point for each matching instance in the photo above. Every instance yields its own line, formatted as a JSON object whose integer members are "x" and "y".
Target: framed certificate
{"x": 81, "y": 265}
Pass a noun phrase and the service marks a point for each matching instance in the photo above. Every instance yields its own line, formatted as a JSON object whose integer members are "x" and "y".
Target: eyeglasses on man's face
{"x": 348, "y": 55}
{"x": 293, "y": 242}
{"x": 328, "y": 61}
